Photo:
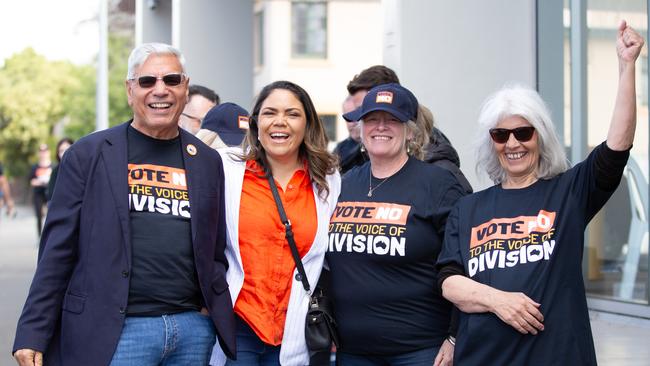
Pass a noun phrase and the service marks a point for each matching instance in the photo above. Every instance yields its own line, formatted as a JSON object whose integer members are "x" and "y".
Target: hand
{"x": 628, "y": 43}
{"x": 28, "y": 357}
{"x": 445, "y": 355}
{"x": 518, "y": 311}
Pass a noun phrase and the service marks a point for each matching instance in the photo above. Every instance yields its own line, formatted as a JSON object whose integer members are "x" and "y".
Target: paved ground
{"x": 620, "y": 341}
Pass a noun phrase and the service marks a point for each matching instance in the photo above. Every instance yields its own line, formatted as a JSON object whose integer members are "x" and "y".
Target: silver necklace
{"x": 370, "y": 188}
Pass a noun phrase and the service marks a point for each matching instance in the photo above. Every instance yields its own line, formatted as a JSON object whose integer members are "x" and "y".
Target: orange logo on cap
{"x": 243, "y": 122}
{"x": 384, "y": 97}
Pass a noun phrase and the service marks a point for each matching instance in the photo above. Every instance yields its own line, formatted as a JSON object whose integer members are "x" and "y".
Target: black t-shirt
{"x": 163, "y": 275}
{"x": 382, "y": 254}
{"x": 530, "y": 240}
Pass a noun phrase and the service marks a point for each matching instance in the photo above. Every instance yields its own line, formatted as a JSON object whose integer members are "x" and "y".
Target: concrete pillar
{"x": 153, "y": 21}
{"x": 216, "y": 37}
{"x": 453, "y": 54}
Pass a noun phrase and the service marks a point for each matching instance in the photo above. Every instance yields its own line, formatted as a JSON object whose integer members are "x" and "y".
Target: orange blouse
{"x": 266, "y": 257}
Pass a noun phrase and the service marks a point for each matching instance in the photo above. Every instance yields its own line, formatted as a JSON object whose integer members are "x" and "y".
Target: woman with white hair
{"x": 512, "y": 256}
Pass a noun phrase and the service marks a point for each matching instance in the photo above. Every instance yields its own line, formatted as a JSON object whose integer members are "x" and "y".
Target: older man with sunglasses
{"x": 132, "y": 265}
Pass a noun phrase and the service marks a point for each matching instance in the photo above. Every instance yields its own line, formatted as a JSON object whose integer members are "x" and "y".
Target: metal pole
{"x": 578, "y": 80}
{"x": 101, "y": 121}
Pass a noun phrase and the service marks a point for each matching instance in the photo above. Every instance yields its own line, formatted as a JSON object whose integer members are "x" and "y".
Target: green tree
{"x": 36, "y": 95}
{"x": 33, "y": 93}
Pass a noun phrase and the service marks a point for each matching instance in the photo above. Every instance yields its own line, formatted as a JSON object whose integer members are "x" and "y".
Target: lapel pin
{"x": 191, "y": 149}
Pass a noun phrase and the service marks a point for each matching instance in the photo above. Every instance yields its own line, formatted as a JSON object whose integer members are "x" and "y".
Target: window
{"x": 616, "y": 260}
{"x": 258, "y": 38}
{"x": 309, "y": 29}
{"x": 329, "y": 123}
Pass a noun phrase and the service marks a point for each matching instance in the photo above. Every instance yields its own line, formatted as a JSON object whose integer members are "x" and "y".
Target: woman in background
{"x": 61, "y": 148}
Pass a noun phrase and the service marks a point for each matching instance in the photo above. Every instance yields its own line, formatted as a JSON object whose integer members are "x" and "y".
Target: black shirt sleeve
{"x": 608, "y": 166}
{"x": 450, "y": 269}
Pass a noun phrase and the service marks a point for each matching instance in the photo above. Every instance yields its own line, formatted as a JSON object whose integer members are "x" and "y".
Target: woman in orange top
{"x": 285, "y": 139}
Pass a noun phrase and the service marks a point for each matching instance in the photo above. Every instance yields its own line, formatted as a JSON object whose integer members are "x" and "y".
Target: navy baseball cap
{"x": 392, "y": 98}
{"x": 229, "y": 121}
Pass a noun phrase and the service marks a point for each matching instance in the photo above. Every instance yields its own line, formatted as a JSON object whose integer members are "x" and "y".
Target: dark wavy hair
{"x": 61, "y": 142}
{"x": 313, "y": 148}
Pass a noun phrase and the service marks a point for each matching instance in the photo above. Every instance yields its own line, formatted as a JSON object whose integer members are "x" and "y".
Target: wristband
{"x": 452, "y": 340}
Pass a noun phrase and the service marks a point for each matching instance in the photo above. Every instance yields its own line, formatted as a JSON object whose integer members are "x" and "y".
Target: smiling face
{"x": 384, "y": 136}
{"x": 281, "y": 126}
{"x": 519, "y": 159}
{"x": 156, "y": 109}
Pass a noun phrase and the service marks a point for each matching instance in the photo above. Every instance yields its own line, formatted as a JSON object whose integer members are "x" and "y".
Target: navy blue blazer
{"x": 76, "y": 304}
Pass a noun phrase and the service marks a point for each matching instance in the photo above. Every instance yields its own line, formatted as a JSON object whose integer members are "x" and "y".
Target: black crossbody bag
{"x": 320, "y": 325}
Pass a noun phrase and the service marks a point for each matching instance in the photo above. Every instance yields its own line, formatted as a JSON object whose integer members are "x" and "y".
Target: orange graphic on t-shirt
{"x": 512, "y": 228}
{"x": 371, "y": 213}
{"x": 157, "y": 176}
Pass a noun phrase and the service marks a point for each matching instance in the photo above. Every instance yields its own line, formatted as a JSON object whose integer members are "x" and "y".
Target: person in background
{"x": 39, "y": 177}
{"x": 287, "y": 141}
{"x": 438, "y": 149}
{"x": 512, "y": 259}
{"x": 385, "y": 236}
{"x": 349, "y": 150}
{"x": 5, "y": 193}
{"x": 224, "y": 125}
{"x": 201, "y": 100}
{"x": 61, "y": 148}
{"x": 132, "y": 269}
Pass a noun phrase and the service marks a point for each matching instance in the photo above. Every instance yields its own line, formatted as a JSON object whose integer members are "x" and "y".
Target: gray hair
{"x": 516, "y": 100}
{"x": 415, "y": 145}
{"x": 140, "y": 54}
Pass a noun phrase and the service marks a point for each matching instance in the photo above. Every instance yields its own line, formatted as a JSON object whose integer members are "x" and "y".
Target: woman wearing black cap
{"x": 224, "y": 125}
{"x": 385, "y": 236}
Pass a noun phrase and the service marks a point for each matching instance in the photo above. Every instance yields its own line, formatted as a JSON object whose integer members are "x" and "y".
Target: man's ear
{"x": 129, "y": 92}
{"x": 187, "y": 90}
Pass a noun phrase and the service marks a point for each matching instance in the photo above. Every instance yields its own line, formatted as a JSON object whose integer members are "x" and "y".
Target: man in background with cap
{"x": 225, "y": 125}
{"x": 132, "y": 269}
{"x": 200, "y": 100}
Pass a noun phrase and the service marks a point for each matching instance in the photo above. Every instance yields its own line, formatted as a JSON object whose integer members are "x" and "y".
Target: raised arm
{"x": 621, "y": 129}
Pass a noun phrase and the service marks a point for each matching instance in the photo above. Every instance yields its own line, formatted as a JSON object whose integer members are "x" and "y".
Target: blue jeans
{"x": 251, "y": 351}
{"x": 423, "y": 357}
{"x": 168, "y": 340}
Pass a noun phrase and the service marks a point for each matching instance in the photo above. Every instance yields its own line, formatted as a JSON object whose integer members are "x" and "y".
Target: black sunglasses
{"x": 522, "y": 134}
{"x": 149, "y": 81}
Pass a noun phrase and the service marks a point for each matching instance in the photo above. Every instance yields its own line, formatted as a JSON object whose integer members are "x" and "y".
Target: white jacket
{"x": 293, "y": 351}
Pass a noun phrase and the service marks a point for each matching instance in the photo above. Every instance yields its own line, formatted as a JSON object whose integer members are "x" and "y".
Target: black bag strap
{"x": 288, "y": 233}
